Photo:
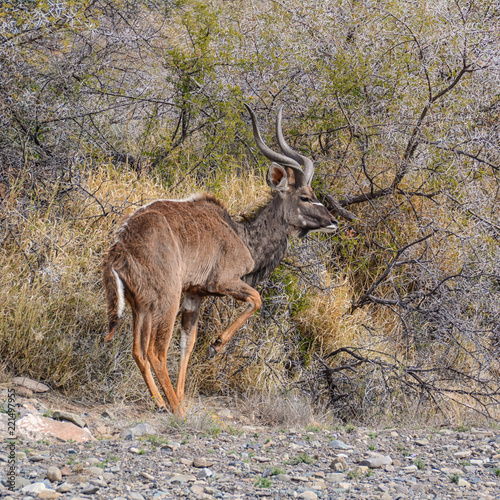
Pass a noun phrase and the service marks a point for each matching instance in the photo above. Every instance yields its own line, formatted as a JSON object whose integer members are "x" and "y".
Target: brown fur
{"x": 193, "y": 247}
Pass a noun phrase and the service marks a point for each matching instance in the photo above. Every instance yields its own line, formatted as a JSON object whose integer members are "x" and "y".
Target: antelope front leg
{"x": 244, "y": 293}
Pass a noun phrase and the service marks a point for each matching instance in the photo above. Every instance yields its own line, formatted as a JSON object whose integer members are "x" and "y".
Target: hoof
{"x": 211, "y": 352}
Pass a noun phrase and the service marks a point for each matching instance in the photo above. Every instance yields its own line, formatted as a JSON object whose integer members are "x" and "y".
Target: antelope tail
{"x": 115, "y": 299}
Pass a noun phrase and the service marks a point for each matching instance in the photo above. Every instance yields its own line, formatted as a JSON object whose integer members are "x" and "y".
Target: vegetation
{"x": 106, "y": 105}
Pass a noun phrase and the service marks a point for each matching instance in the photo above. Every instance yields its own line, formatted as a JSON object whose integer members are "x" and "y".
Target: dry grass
{"x": 53, "y": 315}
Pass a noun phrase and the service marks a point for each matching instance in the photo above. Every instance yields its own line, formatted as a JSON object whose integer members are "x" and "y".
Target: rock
{"x": 463, "y": 482}
{"x": 422, "y": 442}
{"x": 37, "y": 427}
{"x": 204, "y": 473}
{"x": 338, "y": 463}
{"x": 70, "y": 417}
{"x": 96, "y": 471}
{"x": 339, "y": 445}
{"x": 90, "y": 489}
{"x": 299, "y": 479}
{"x": 450, "y": 471}
{"x": 409, "y": 469}
{"x": 23, "y": 392}
{"x": 262, "y": 459}
{"x": 376, "y": 461}
{"x": 30, "y": 384}
{"x": 335, "y": 478}
{"x": 345, "y": 486}
{"x": 462, "y": 454}
{"x": 49, "y": 494}
{"x": 147, "y": 476}
{"x": 20, "y": 482}
{"x": 135, "y": 496}
{"x": 284, "y": 477}
{"x": 201, "y": 462}
{"x": 98, "y": 482}
{"x": 310, "y": 495}
{"x": 182, "y": 478}
{"x": 35, "y": 488}
{"x": 64, "y": 488}
{"x": 54, "y": 474}
{"x": 138, "y": 430}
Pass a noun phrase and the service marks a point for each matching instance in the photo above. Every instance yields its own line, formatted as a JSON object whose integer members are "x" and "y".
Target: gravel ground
{"x": 226, "y": 458}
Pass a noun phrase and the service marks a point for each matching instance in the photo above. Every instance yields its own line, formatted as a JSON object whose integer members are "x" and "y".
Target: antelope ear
{"x": 277, "y": 178}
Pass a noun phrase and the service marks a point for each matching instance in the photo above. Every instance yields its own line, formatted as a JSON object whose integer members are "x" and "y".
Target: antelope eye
{"x": 304, "y": 198}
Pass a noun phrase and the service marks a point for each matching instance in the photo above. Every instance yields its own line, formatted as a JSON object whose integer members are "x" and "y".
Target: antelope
{"x": 194, "y": 247}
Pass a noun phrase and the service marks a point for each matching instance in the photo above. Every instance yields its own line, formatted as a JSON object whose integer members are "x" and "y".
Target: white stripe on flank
{"x": 121, "y": 293}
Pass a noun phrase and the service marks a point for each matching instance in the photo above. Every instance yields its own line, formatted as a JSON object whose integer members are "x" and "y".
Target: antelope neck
{"x": 266, "y": 236}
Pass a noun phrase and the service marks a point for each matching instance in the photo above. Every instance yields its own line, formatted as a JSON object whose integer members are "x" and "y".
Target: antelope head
{"x": 303, "y": 212}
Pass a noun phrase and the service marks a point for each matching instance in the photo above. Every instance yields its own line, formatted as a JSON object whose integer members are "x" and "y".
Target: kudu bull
{"x": 194, "y": 247}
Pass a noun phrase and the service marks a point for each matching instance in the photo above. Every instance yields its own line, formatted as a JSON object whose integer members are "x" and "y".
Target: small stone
{"x": 24, "y": 392}
{"x": 186, "y": 461}
{"x": 70, "y": 417}
{"x": 147, "y": 476}
{"x": 204, "y": 473}
{"x": 202, "y": 462}
{"x": 462, "y": 454}
{"x": 299, "y": 479}
{"x": 138, "y": 430}
{"x": 54, "y": 474}
{"x": 182, "y": 478}
{"x": 49, "y": 494}
{"x": 376, "y": 461}
{"x": 96, "y": 471}
{"x": 418, "y": 489}
{"x": 463, "y": 482}
{"x": 64, "y": 488}
{"x": 345, "y": 486}
{"x": 90, "y": 489}
{"x": 422, "y": 442}
{"x": 283, "y": 477}
{"x": 309, "y": 495}
{"x": 339, "y": 445}
{"x": 262, "y": 459}
{"x": 198, "y": 491}
{"x": 135, "y": 496}
{"x": 409, "y": 469}
{"x": 30, "y": 384}
{"x": 35, "y": 488}
{"x": 338, "y": 464}
{"x": 171, "y": 446}
{"x": 335, "y": 478}
{"x": 134, "y": 450}
{"x": 20, "y": 482}
{"x": 98, "y": 482}
{"x": 452, "y": 471}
